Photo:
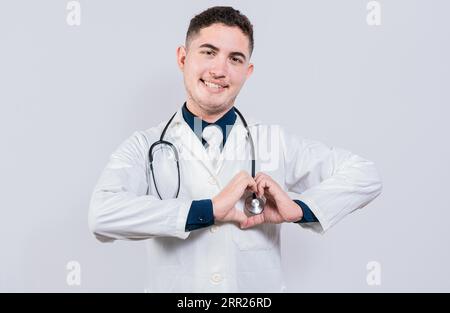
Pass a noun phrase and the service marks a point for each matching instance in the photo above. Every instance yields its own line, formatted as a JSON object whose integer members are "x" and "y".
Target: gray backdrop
{"x": 69, "y": 95}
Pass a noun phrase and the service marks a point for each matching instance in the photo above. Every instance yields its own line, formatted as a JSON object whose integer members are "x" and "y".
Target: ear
{"x": 181, "y": 56}
{"x": 250, "y": 70}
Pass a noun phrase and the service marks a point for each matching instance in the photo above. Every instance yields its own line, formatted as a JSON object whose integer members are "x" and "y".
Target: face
{"x": 215, "y": 66}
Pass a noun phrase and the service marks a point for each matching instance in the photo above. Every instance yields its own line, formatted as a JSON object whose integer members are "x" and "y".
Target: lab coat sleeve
{"x": 120, "y": 207}
{"x": 333, "y": 182}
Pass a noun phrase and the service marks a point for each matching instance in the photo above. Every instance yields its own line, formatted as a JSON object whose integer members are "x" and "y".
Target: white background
{"x": 70, "y": 95}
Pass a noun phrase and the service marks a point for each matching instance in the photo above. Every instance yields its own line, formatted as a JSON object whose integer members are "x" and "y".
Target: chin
{"x": 213, "y": 107}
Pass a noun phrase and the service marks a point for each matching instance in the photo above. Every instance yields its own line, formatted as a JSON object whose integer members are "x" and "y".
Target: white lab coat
{"x": 222, "y": 258}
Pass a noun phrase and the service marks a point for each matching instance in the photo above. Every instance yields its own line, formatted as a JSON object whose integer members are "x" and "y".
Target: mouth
{"x": 214, "y": 87}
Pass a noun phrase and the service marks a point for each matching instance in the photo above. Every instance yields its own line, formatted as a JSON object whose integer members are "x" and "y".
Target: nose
{"x": 218, "y": 68}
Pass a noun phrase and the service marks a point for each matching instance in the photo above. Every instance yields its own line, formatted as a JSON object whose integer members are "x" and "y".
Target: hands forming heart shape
{"x": 279, "y": 207}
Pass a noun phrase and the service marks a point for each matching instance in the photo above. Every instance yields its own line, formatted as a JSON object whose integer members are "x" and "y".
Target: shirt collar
{"x": 197, "y": 125}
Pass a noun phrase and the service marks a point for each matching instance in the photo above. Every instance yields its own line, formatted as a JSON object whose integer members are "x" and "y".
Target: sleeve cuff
{"x": 200, "y": 215}
{"x": 308, "y": 215}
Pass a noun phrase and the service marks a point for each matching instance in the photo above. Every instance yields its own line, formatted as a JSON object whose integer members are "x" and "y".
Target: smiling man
{"x": 183, "y": 184}
{"x": 216, "y": 64}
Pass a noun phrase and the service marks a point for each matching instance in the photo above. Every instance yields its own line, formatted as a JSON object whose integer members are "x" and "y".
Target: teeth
{"x": 212, "y": 85}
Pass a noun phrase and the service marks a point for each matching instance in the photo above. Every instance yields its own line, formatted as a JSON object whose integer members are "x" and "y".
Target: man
{"x": 200, "y": 237}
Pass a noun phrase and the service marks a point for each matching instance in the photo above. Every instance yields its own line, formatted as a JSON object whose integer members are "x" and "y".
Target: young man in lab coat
{"x": 202, "y": 240}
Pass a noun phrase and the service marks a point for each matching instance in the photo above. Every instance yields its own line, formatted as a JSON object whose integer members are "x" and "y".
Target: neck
{"x": 210, "y": 117}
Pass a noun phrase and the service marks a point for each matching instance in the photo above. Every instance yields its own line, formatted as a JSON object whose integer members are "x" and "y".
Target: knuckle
{"x": 242, "y": 174}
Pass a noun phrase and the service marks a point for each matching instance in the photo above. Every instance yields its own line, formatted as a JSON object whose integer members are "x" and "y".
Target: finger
{"x": 251, "y": 184}
{"x": 271, "y": 185}
{"x": 260, "y": 188}
{"x": 245, "y": 178}
{"x": 258, "y": 180}
{"x": 241, "y": 176}
{"x": 260, "y": 175}
{"x": 263, "y": 178}
{"x": 239, "y": 216}
{"x": 246, "y": 175}
{"x": 262, "y": 184}
{"x": 243, "y": 224}
{"x": 254, "y": 220}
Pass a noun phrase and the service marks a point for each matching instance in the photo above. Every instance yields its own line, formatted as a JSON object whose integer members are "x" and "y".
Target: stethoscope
{"x": 253, "y": 204}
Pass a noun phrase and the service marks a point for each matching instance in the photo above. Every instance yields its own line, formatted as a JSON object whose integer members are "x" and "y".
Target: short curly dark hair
{"x": 223, "y": 15}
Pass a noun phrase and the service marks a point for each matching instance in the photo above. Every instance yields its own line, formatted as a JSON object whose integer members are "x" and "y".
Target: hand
{"x": 224, "y": 203}
{"x": 279, "y": 207}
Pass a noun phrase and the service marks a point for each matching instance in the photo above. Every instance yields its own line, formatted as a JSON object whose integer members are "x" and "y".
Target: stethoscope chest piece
{"x": 254, "y": 205}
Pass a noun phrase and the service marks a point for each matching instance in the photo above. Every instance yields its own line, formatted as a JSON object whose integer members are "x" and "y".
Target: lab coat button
{"x": 216, "y": 278}
{"x": 212, "y": 180}
{"x": 214, "y": 228}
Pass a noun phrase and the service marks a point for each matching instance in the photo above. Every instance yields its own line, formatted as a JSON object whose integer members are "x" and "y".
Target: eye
{"x": 237, "y": 60}
{"x": 208, "y": 52}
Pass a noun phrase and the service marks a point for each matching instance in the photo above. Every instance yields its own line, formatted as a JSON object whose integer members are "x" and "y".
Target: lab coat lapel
{"x": 235, "y": 145}
{"x": 188, "y": 144}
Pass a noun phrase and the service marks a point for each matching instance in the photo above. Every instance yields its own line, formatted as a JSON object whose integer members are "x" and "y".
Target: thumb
{"x": 253, "y": 221}
{"x": 239, "y": 216}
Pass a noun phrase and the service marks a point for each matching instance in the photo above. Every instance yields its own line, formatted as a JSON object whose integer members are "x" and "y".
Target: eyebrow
{"x": 235, "y": 53}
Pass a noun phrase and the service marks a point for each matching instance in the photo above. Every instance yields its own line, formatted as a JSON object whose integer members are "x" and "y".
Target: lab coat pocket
{"x": 261, "y": 237}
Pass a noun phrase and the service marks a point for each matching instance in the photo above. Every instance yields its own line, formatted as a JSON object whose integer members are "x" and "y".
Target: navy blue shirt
{"x": 225, "y": 123}
{"x": 201, "y": 211}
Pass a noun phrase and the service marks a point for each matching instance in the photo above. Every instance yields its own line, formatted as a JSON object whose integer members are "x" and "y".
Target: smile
{"x": 213, "y": 87}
